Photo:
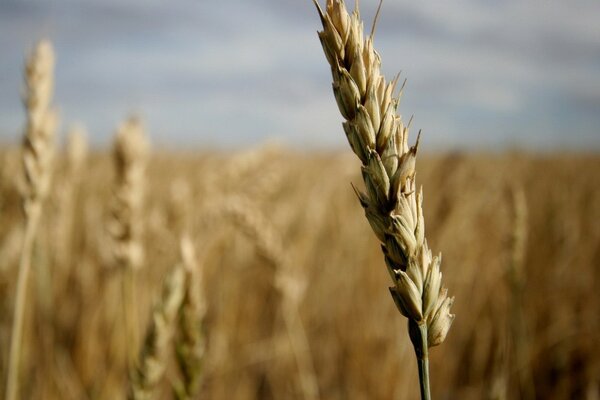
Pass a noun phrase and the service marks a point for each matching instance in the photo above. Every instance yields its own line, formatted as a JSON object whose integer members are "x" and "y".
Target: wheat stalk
{"x": 152, "y": 359}
{"x": 76, "y": 154}
{"x": 190, "y": 343}
{"x": 392, "y": 205}
{"x": 254, "y": 225}
{"x": 515, "y": 277}
{"x": 181, "y": 208}
{"x": 130, "y": 154}
{"x": 38, "y": 153}
{"x": 190, "y": 346}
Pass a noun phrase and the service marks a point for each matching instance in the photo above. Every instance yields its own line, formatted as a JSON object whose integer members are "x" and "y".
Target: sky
{"x": 484, "y": 74}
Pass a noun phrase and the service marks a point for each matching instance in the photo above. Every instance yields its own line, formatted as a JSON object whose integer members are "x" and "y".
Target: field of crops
{"x": 284, "y": 254}
{"x": 140, "y": 273}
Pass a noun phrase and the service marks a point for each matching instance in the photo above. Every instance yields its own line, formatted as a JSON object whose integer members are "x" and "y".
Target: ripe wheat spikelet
{"x": 152, "y": 359}
{"x": 392, "y": 204}
{"x": 38, "y": 154}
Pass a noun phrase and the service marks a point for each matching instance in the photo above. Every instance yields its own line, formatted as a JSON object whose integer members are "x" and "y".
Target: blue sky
{"x": 481, "y": 74}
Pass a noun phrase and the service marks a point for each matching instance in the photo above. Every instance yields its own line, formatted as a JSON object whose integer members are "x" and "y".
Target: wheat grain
{"x": 392, "y": 204}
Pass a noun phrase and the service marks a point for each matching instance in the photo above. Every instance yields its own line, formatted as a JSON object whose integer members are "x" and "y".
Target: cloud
{"x": 480, "y": 73}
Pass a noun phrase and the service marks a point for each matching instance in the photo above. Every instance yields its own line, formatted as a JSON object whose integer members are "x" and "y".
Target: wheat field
{"x": 519, "y": 234}
{"x": 137, "y": 273}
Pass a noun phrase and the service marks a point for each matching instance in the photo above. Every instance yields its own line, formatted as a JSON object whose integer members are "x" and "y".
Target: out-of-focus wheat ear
{"x": 152, "y": 360}
{"x": 39, "y": 139}
{"x": 130, "y": 153}
{"x": 67, "y": 193}
{"x": 288, "y": 282}
{"x": 190, "y": 344}
{"x": 38, "y": 152}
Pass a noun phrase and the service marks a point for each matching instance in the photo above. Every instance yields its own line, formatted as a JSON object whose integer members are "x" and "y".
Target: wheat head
{"x": 38, "y": 153}
{"x": 67, "y": 195}
{"x": 288, "y": 281}
{"x": 190, "y": 345}
{"x": 130, "y": 153}
{"x": 40, "y": 132}
{"x": 153, "y": 355}
{"x": 392, "y": 204}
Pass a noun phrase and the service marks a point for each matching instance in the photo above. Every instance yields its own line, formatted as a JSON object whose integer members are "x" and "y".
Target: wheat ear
{"x": 130, "y": 156}
{"x": 152, "y": 360}
{"x": 190, "y": 346}
{"x": 291, "y": 286}
{"x": 392, "y": 205}
{"x": 76, "y": 154}
{"x": 38, "y": 153}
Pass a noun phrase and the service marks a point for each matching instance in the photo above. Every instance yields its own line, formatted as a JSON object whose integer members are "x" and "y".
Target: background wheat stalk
{"x": 190, "y": 345}
{"x": 76, "y": 155}
{"x": 516, "y": 279}
{"x": 152, "y": 360}
{"x": 38, "y": 152}
{"x": 130, "y": 154}
{"x": 248, "y": 218}
{"x": 392, "y": 205}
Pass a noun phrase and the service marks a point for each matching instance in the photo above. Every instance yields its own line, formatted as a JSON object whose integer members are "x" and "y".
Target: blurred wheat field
{"x": 74, "y": 345}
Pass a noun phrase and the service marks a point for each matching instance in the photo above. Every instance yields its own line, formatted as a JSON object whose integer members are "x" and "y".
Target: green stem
{"x": 418, "y": 336}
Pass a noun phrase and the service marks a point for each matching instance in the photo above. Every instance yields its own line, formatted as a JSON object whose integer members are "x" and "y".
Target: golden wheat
{"x": 190, "y": 345}
{"x": 130, "y": 153}
{"x": 38, "y": 152}
{"x": 296, "y": 212}
{"x": 291, "y": 285}
{"x": 392, "y": 204}
{"x": 152, "y": 360}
